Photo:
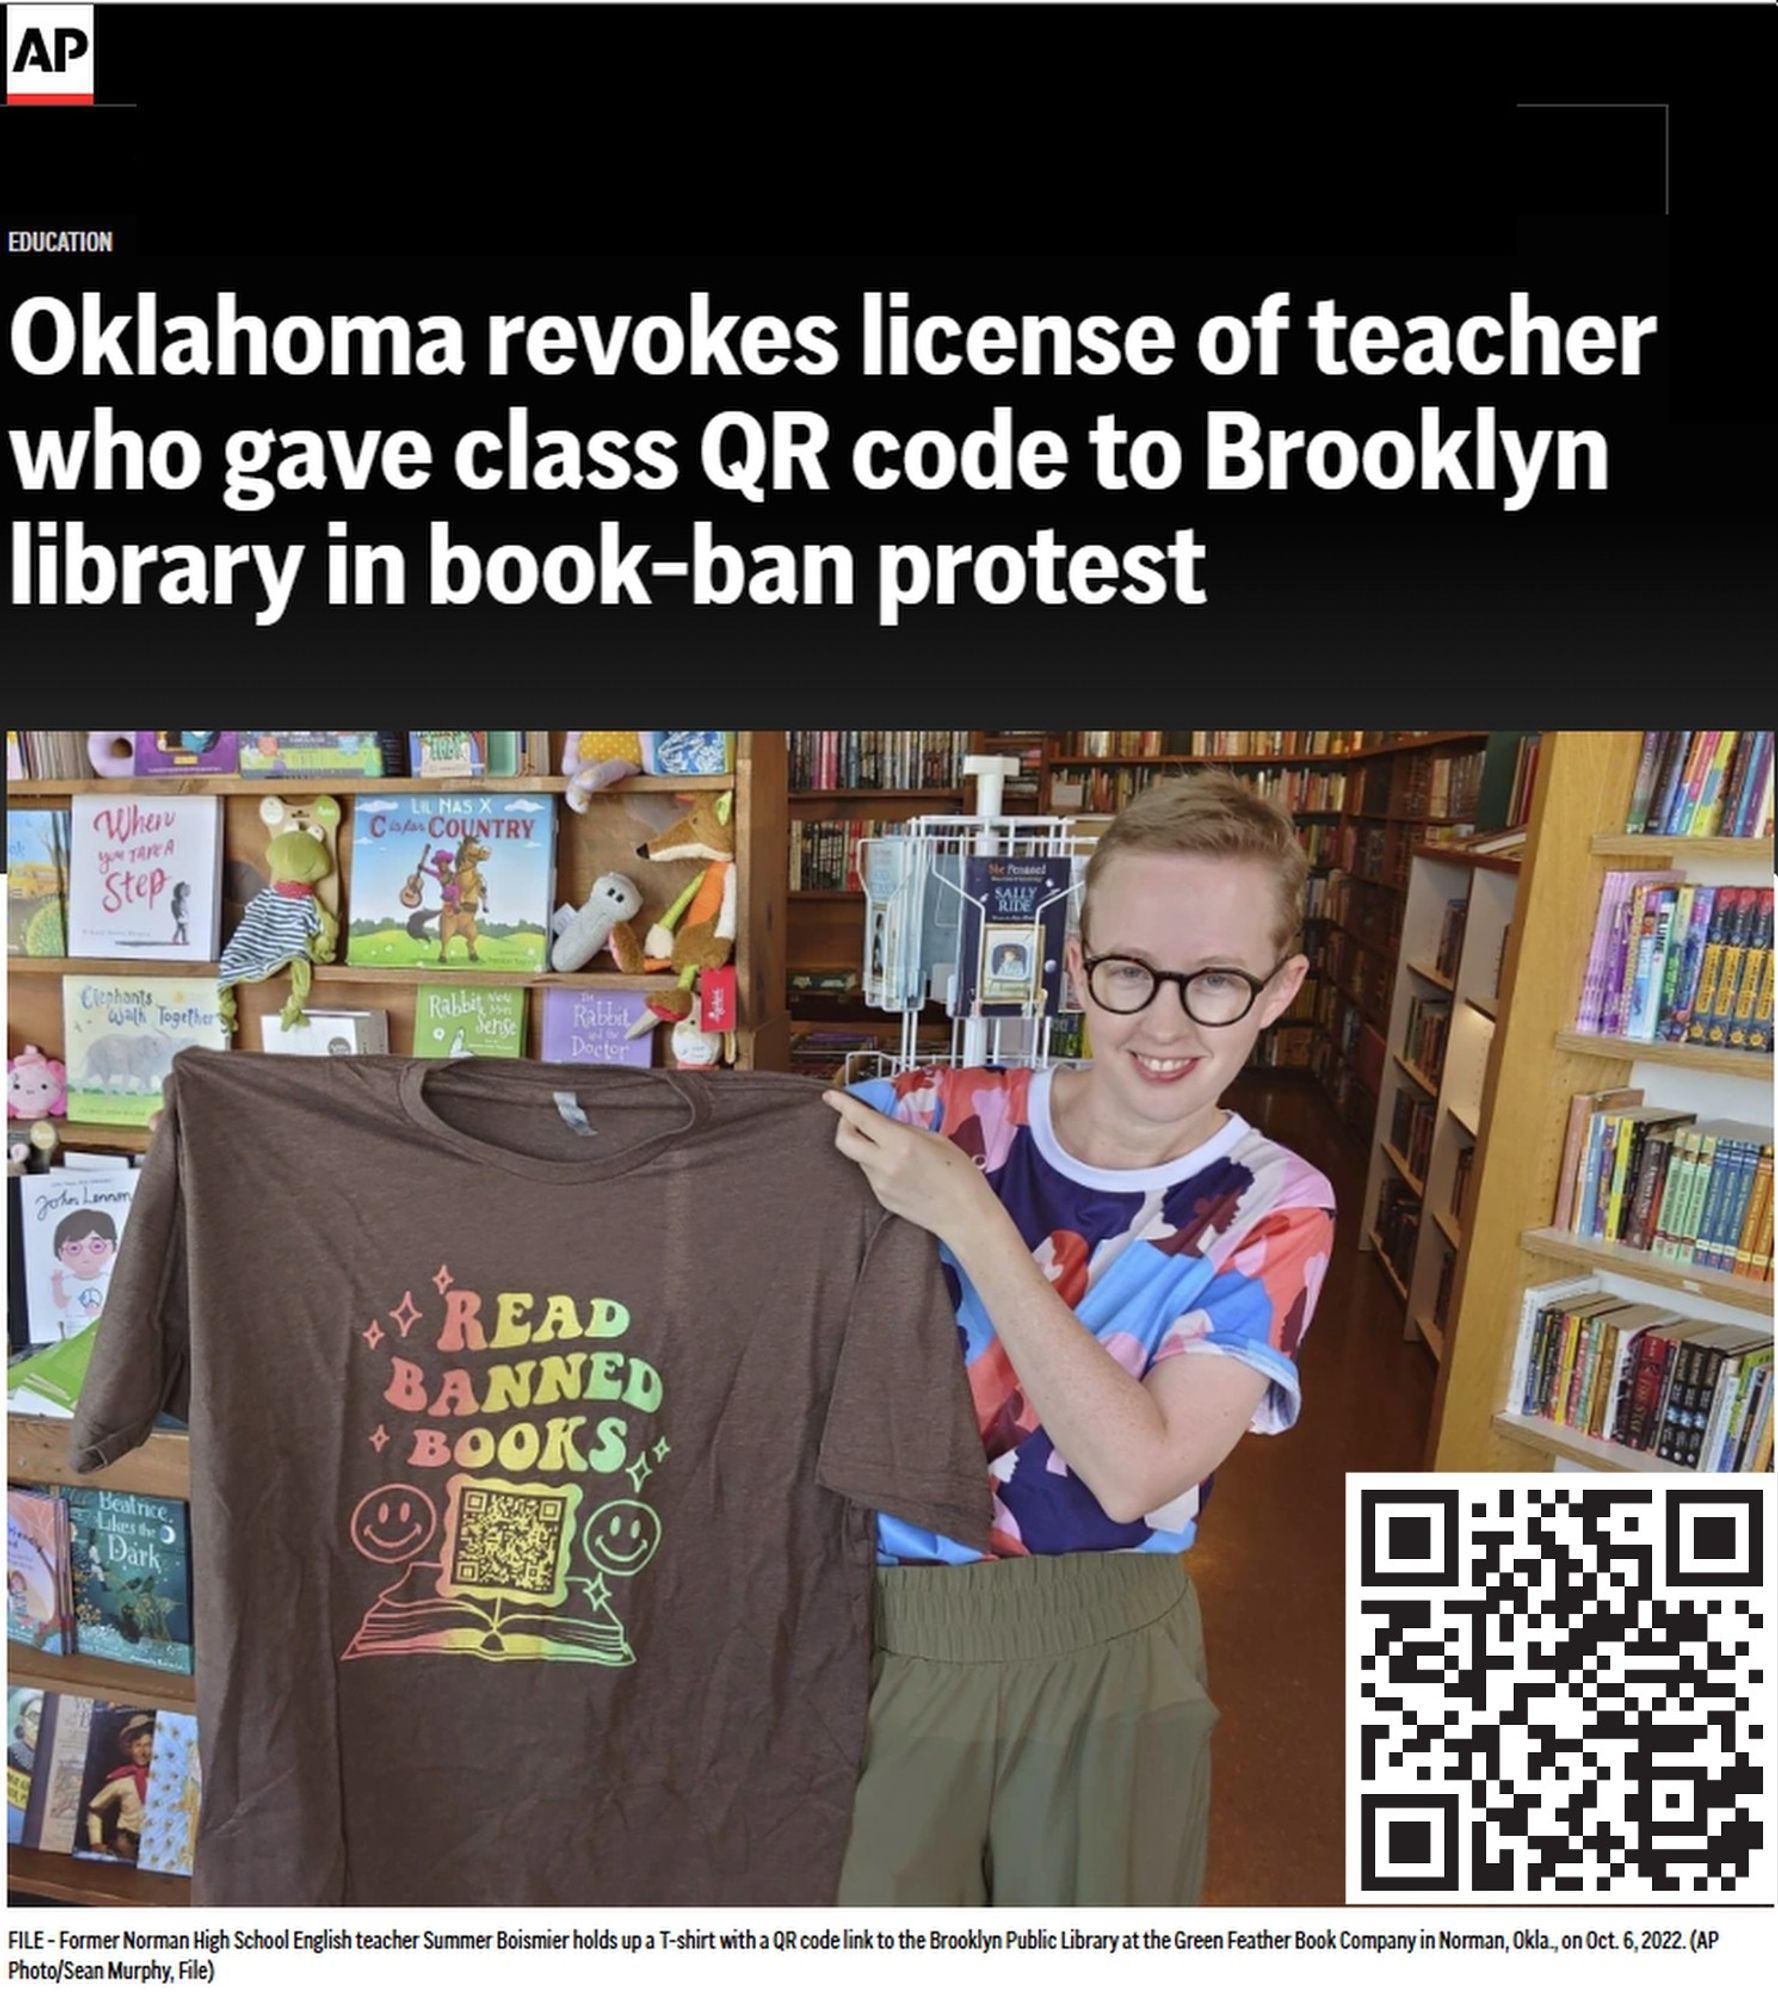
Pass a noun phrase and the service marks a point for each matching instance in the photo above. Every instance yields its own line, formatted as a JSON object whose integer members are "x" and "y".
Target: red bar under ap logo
{"x": 49, "y": 55}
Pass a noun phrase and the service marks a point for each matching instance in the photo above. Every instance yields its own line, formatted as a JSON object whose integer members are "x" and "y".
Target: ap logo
{"x": 49, "y": 55}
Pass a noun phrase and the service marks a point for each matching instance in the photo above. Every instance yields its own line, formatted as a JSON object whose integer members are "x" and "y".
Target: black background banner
{"x": 1013, "y": 160}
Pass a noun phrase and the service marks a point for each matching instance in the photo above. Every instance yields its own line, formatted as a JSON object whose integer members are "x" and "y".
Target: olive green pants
{"x": 1039, "y": 1735}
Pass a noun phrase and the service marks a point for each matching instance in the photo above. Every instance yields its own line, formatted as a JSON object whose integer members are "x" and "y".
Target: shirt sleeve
{"x": 901, "y": 1436}
{"x": 911, "y": 1098}
{"x": 141, "y": 1353}
{"x": 1258, "y": 1307}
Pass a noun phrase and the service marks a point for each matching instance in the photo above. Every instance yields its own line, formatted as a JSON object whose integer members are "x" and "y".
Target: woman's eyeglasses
{"x": 1216, "y": 997}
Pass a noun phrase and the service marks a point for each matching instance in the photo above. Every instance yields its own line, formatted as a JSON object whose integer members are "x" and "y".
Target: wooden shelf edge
{"x": 1432, "y": 1333}
{"x": 1388, "y": 1268}
{"x": 102, "y": 1884}
{"x": 108, "y": 1680}
{"x": 454, "y": 973}
{"x": 1462, "y": 857}
{"x": 1679, "y": 1055}
{"x": 1414, "y": 1071}
{"x": 1754, "y": 848}
{"x": 1401, "y": 1167}
{"x": 875, "y": 792}
{"x": 220, "y": 785}
{"x": 1432, "y": 973}
{"x": 1448, "y": 1227}
{"x": 1485, "y": 1004}
{"x": 1600, "y": 1453}
{"x": 37, "y": 1454}
{"x": 1696, "y": 1281}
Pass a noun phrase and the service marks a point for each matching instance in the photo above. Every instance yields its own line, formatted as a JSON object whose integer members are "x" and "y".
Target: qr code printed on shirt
{"x": 1559, "y": 1688}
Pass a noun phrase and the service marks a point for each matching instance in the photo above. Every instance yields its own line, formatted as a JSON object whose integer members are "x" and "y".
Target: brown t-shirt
{"x": 538, "y": 1413}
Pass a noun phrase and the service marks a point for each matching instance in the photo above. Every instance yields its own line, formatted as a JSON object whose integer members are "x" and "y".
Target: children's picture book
{"x": 53, "y": 1810}
{"x": 45, "y": 1379}
{"x": 680, "y": 753}
{"x": 593, "y": 1026}
{"x": 37, "y": 883}
{"x": 447, "y": 753}
{"x": 36, "y": 1538}
{"x": 121, "y": 1035}
{"x": 452, "y": 878}
{"x": 175, "y": 1791}
{"x": 130, "y": 1563}
{"x": 24, "y": 1740}
{"x": 328, "y": 1031}
{"x": 469, "y": 1021}
{"x": 310, "y": 753}
{"x": 170, "y": 752}
{"x": 72, "y": 1224}
{"x": 1015, "y": 918}
{"x": 114, "y": 1782}
{"x": 145, "y": 877}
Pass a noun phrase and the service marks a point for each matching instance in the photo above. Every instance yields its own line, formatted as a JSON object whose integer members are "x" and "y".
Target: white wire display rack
{"x": 916, "y": 897}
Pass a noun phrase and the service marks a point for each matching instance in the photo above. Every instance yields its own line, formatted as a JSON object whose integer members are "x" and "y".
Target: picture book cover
{"x": 24, "y": 1732}
{"x": 1015, "y": 918}
{"x": 328, "y": 1031}
{"x": 447, "y": 753}
{"x": 72, "y": 1225}
{"x": 469, "y": 1021}
{"x": 458, "y": 878}
{"x": 130, "y": 1562}
{"x": 36, "y": 1534}
{"x": 593, "y": 1027}
{"x": 45, "y": 1380}
{"x": 120, "y": 1036}
{"x": 114, "y": 1782}
{"x": 169, "y": 752}
{"x": 37, "y": 883}
{"x": 310, "y": 753}
{"x": 145, "y": 877}
{"x": 175, "y": 1792}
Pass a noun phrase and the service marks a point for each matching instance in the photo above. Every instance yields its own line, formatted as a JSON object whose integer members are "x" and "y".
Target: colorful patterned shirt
{"x": 1220, "y": 1252}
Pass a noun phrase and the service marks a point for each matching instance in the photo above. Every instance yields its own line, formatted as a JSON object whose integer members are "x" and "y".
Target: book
{"x": 175, "y": 1793}
{"x": 72, "y": 1224}
{"x": 1582, "y": 1107}
{"x": 54, "y": 1805}
{"x": 36, "y": 1570}
{"x": 594, "y": 1027}
{"x": 145, "y": 877}
{"x": 1015, "y": 916}
{"x": 114, "y": 1782}
{"x": 328, "y": 1031}
{"x": 687, "y": 752}
{"x": 469, "y": 1021}
{"x": 417, "y": 1614}
{"x": 121, "y": 1034}
{"x": 45, "y": 1379}
{"x": 310, "y": 753}
{"x": 1532, "y": 1304}
{"x": 24, "y": 1737}
{"x": 449, "y": 753}
{"x": 161, "y": 752}
{"x": 37, "y": 883}
{"x": 130, "y": 1562}
{"x": 462, "y": 878}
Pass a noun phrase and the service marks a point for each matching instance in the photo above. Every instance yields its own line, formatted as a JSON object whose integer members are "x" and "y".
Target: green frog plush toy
{"x": 284, "y": 925}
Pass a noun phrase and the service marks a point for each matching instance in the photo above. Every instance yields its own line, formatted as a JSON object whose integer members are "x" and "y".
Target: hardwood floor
{"x": 1269, "y": 1564}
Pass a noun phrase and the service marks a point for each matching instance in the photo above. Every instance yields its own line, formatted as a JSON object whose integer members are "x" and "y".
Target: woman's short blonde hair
{"x": 1211, "y": 812}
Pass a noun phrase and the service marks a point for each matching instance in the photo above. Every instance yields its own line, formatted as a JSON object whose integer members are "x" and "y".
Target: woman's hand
{"x": 915, "y": 1174}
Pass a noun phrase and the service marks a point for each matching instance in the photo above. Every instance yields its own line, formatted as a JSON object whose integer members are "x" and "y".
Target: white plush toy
{"x": 579, "y": 934}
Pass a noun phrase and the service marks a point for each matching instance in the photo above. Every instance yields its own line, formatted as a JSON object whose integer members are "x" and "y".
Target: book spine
{"x": 1709, "y": 807}
{"x": 1586, "y": 1221}
{"x": 1700, "y": 1395}
{"x": 1743, "y": 1019}
{"x": 1703, "y": 1001}
{"x": 1571, "y": 1158}
{"x": 1697, "y": 765}
{"x": 1702, "y": 1168}
{"x": 1757, "y": 1217}
{"x": 1673, "y": 757}
{"x": 1651, "y": 1364}
{"x": 1644, "y": 921}
{"x": 1645, "y": 777}
{"x": 1715, "y": 1414}
{"x": 1668, "y": 1437}
{"x": 1697, "y": 932}
{"x": 1722, "y": 1174}
{"x": 1741, "y": 933}
{"x": 1652, "y": 1171}
{"x": 1623, "y": 1140}
{"x": 1669, "y": 1241}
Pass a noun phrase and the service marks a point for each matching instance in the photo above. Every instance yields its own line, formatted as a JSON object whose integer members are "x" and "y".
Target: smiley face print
{"x": 393, "y": 1524}
{"x": 621, "y": 1537}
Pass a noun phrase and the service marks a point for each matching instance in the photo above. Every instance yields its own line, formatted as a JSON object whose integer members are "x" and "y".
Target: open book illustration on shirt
{"x": 502, "y": 1590}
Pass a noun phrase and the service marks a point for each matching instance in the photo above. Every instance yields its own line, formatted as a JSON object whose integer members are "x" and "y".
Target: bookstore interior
{"x": 1535, "y": 1031}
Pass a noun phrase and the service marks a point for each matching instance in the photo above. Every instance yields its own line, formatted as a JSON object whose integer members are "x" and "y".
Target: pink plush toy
{"x": 36, "y": 1085}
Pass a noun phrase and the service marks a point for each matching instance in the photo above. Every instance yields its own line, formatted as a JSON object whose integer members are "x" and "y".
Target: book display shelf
{"x": 1509, "y": 1243}
{"x": 605, "y": 837}
{"x": 1443, "y": 1023}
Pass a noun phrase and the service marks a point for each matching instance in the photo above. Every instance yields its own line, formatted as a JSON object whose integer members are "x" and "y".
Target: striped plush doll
{"x": 283, "y": 925}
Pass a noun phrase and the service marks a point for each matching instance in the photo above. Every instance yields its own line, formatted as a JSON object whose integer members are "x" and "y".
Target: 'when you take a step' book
{"x": 145, "y": 877}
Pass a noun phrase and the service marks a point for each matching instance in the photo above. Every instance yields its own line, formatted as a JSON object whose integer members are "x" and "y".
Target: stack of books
{"x": 1695, "y": 783}
{"x": 101, "y": 1573}
{"x": 1676, "y": 961}
{"x": 74, "y": 1781}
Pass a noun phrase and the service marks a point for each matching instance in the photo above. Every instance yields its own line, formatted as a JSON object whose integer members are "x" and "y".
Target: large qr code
{"x": 509, "y": 1542}
{"x": 1559, "y": 1687}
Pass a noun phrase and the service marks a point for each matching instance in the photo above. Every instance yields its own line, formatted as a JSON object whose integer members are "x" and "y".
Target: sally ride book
{"x": 1015, "y": 920}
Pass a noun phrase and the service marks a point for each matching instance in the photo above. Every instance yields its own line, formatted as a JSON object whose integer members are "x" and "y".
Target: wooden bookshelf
{"x": 1388, "y": 1269}
{"x": 1414, "y": 1073}
{"x": 1448, "y": 1227}
{"x": 1432, "y": 974}
{"x": 606, "y": 837}
{"x": 1583, "y": 788}
{"x": 1404, "y": 1170}
{"x": 1651, "y": 848}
